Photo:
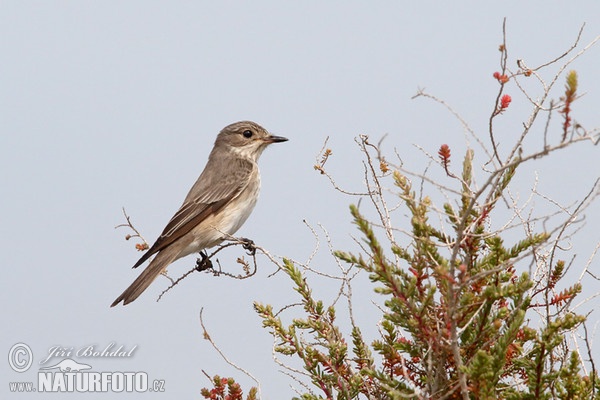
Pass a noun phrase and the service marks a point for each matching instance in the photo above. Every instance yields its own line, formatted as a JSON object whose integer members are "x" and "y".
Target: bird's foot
{"x": 248, "y": 245}
{"x": 203, "y": 263}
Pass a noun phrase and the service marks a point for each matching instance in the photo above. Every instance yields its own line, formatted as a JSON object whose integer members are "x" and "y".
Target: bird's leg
{"x": 203, "y": 263}
{"x": 248, "y": 244}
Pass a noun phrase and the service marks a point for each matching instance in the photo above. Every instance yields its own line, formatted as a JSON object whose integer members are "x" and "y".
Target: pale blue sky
{"x": 105, "y": 104}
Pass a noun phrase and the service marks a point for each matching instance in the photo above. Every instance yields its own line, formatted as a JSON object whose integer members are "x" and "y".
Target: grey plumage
{"x": 218, "y": 203}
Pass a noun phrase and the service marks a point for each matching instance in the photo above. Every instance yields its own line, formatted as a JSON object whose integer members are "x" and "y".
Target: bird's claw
{"x": 203, "y": 263}
{"x": 248, "y": 245}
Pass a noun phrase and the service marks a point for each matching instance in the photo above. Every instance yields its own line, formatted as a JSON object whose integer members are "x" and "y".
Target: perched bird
{"x": 217, "y": 205}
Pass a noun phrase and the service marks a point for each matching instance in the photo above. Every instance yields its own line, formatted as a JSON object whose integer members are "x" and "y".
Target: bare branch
{"x": 207, "y": 336}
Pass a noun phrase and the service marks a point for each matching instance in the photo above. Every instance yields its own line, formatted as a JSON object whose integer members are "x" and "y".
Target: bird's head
{"x": 246, "y": 138}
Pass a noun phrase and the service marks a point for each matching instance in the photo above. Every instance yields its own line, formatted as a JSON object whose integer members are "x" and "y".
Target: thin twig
{"x": 205, "y": 265}
{"x": 206, "y": 336}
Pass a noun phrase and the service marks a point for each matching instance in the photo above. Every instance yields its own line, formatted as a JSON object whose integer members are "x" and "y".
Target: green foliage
{"x": 326, "y": 356}
{"x": 455, "y": 313}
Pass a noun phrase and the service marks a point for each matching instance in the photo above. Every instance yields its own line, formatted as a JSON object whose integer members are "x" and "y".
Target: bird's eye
{"x": 247, "y": 133}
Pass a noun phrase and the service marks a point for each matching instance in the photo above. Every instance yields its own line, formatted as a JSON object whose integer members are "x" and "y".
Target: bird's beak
{"x": 275, "y": 139}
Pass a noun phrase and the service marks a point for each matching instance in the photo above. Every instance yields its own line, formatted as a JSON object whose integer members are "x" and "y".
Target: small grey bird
{"x": 217, "y": 205}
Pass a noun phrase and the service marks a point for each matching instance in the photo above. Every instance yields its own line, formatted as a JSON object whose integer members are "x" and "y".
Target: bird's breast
{"x": 237, "y": 212}
{"x": 227, "y": 220}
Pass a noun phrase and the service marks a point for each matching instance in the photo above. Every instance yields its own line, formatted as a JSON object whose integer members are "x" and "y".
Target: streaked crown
{"x": 246, "y": 138}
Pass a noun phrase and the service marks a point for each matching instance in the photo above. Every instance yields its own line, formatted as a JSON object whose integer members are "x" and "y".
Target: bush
{"x": 464, "y": 314}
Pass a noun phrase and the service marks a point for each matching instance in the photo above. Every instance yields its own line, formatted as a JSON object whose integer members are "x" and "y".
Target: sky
{"x": 107, "y": 104}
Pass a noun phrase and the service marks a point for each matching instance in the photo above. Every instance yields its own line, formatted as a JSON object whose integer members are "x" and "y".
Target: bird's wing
{"x": 210, "y": 193}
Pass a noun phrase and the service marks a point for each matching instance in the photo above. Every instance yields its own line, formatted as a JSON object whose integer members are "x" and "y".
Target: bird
{"x": 216, "y": 206}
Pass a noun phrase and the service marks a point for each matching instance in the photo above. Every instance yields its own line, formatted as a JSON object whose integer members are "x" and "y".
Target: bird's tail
{"x": 155, "y": 268}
